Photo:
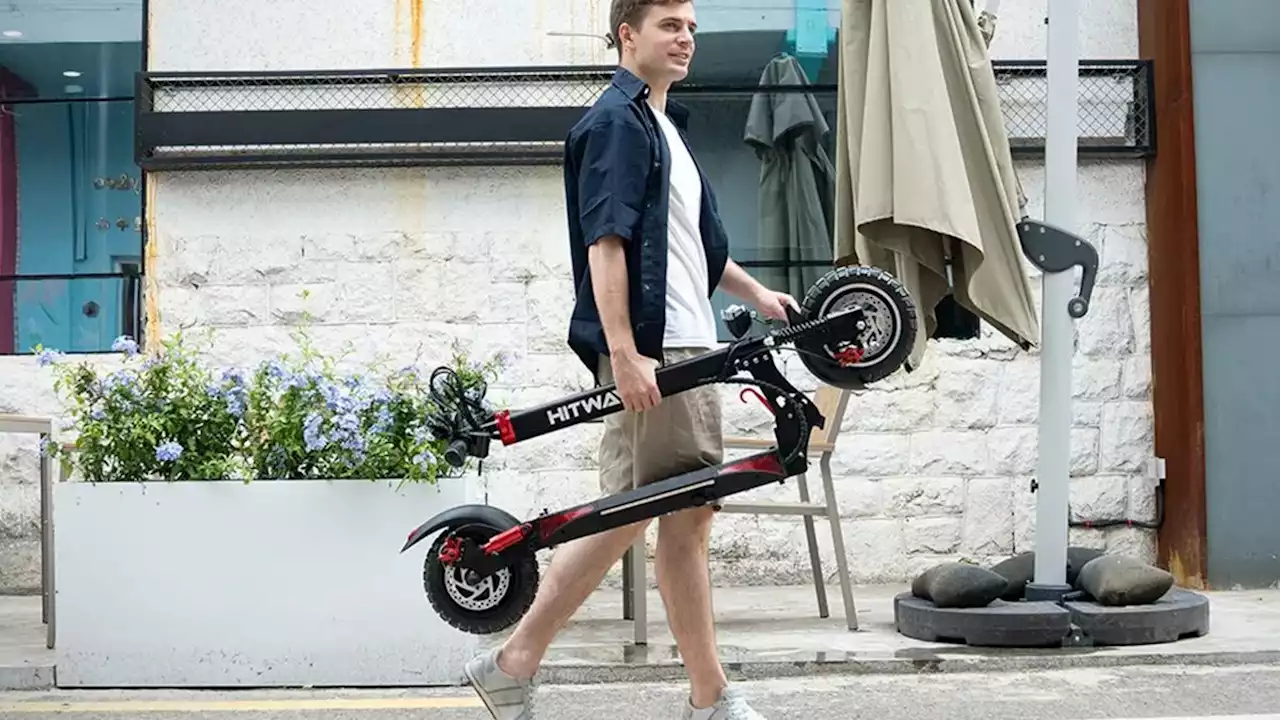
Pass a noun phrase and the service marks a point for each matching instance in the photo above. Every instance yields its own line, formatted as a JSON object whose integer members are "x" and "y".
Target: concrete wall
{"x": 934, "y": 465}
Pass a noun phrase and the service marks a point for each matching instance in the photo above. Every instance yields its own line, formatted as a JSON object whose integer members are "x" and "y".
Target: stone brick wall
{"x": 398, "y": 264}
{"x": 19, "y": 499}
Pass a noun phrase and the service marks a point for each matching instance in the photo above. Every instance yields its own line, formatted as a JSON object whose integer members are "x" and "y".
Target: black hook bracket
{"x": 1055, "y": 250}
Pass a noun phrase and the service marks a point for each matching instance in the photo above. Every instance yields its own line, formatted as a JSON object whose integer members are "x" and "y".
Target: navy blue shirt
{"x": 617, "y": 169}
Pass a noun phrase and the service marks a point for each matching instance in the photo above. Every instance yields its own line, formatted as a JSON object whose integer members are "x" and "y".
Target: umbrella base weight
{"x": 1000, "y": 624}
{"x": 1179, "y": 615}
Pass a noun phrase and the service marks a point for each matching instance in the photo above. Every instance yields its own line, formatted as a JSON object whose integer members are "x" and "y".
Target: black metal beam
{"x": 221, "y": 160}
{"x": 371, "y": 126}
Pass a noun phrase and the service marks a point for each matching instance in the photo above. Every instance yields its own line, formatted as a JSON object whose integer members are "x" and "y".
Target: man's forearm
{"x": 738, "y": 283}
{"x": 608, "y": 263}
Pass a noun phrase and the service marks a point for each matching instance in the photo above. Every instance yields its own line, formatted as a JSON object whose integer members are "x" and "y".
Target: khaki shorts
{"x": 683, "y": 433}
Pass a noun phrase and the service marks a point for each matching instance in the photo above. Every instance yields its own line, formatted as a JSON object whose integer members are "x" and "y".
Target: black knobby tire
{"x": 891, "y": 312}
{"x": 518, "y": 584}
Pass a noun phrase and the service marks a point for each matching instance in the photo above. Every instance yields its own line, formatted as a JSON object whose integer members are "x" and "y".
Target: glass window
{"x": 753, "y": 192}
{"x": 70, "y": 193}
{"x": 727, "y": 76}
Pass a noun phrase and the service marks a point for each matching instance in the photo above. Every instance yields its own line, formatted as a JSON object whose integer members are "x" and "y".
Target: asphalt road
{"x": 1235, "y": 693}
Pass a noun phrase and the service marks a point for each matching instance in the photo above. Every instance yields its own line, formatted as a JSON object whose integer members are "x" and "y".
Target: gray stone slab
{"x": 26, "y": 677}
{"x": 1000, "y": 624}
{"x": 1180, "y": 614}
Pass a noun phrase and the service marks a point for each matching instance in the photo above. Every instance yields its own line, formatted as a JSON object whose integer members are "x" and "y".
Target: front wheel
{"x": 474, "y": 604}
{"x": 881, "y": 347}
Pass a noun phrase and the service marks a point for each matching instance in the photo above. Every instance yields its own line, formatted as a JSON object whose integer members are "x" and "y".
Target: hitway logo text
{"x": 580, "y": 408}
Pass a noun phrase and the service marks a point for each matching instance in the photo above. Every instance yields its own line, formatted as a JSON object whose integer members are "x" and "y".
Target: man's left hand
{"x": 773, "y": 304}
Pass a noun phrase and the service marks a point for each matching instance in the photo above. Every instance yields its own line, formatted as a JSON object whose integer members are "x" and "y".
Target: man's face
{"x": 663, "y": 43}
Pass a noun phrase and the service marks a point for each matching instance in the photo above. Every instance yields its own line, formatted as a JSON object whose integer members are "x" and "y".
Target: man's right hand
{"x": 635, "y": 376}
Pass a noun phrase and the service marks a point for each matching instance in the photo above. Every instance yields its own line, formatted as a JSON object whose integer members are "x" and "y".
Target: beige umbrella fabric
{"x": 924, "y": 176}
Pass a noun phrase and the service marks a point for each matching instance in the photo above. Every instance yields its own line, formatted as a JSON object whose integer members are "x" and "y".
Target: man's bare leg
{"x": 685, "y": 584}
{"x": 574, "y": 573}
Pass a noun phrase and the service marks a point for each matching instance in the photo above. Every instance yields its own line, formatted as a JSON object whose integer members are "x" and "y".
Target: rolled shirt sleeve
{"x": 614, "y": 157}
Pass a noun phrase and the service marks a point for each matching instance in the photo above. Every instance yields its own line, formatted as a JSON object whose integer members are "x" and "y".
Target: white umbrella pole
{"x": 1057, "y": 336}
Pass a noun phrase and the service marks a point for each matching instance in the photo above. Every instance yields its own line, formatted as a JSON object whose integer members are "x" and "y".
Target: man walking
{"x": 648, "y": 249}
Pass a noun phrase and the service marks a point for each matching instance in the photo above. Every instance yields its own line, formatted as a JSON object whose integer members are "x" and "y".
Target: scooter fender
{"x": 487, "y": 515}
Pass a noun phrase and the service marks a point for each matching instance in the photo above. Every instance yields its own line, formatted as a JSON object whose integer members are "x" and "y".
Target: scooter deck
{"x": 689, "y": 490}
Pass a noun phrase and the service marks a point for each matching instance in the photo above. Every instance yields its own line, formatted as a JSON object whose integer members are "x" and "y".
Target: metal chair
{"x": 831, "y": 403}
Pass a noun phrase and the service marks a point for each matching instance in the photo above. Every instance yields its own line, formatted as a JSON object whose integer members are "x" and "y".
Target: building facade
{"x": 401, "y": 262}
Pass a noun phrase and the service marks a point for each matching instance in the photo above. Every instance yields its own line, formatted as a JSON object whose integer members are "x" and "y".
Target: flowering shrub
{"x": 168, "y": 417}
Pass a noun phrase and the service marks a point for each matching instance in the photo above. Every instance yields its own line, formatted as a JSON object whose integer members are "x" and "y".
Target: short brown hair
{"x": 631, "y": 12}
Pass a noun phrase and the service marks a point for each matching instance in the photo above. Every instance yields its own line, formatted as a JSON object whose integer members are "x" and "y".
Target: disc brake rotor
{"x": 475, "y": 593}
{"x": 881, "y": 329}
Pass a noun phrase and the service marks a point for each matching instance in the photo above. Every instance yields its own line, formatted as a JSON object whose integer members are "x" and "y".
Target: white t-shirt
{"x": 690, "y": 321}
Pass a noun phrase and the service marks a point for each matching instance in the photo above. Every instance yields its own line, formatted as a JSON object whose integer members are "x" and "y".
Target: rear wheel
{"x": 472, "y": 603}
{"x": 881, "y": 347}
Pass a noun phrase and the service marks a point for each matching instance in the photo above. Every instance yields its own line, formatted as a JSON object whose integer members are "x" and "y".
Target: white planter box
{"x": 267, "y": 584}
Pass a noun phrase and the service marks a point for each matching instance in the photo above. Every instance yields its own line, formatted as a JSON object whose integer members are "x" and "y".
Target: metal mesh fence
{"x": 1113, "y": 105}
{"x": 1114, "y": 111}
{"x": 378, "y": 90}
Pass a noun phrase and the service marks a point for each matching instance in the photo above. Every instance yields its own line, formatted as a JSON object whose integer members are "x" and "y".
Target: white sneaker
{"x": 731, "y": 706}
{"x": 505, "y": 697}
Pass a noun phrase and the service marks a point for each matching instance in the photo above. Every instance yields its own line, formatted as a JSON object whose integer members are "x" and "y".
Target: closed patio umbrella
{"x": 925, "y": 186}
{"x": 786, "y": 129}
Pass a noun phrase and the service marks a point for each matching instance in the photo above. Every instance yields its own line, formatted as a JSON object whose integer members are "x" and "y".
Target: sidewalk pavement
{"x": 774, "y": 632}
{"x": 25, "y": 662}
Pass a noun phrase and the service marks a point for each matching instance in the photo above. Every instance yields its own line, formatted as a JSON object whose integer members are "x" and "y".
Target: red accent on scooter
{"x": 553, "y": 523}
{"x": 770, "y": 463}
{"x": 849, "y": 356}
{"x": 505, "y": 430}
{"x": 451, "y": 552}
{"x": 507, "y": 538}
{"x": 753, "y": 391}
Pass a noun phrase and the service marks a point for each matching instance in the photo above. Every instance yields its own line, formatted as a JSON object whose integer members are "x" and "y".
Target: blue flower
{"x": 125, "y": 383}
{"x": 275, "y": 369}
{"x": 423, "y": 434}
{"x": 349, "y": 422}
{"x": 334, "y": 398}
{"x": 311, "y": 432}
{"x": 235, "y": 399}
{"x": 168, "y": 452}
{"x": 125, "y": 344}
{"x": 354, "y": 443}
{"x": 382, "y": 423}
{"x": 49, "y": 357}
{"x": 118, "y": 379}
{"x": 425, "y": 459}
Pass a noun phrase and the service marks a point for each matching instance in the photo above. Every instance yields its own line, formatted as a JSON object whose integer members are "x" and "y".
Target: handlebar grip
{"x": 456, "y": 453}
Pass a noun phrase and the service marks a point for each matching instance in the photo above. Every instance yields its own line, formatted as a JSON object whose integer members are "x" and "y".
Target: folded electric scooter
{"x": 856, "y": 325}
